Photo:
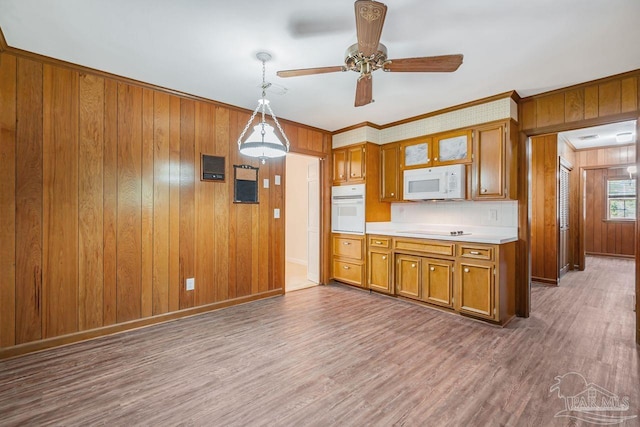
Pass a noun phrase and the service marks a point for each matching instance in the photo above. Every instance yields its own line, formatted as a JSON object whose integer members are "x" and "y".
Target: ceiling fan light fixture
{"x": 263, "y": 142}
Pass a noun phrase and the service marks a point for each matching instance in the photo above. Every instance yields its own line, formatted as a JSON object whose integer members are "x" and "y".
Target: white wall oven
{"x": 347, "y": 209}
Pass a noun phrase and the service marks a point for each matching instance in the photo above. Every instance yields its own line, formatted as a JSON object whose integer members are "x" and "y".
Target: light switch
{"x": 277, "y": 180}
{"x": 191, "y": 283}
{"x": 265, "y": 183}
{"x": 276, "y": 213}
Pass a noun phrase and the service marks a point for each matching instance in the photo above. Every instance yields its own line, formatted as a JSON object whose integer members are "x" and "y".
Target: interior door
{"x": 564, "y": 256}
{"x": 313, "y": 222}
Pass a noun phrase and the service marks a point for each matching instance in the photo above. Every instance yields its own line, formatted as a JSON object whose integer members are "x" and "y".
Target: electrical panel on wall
{"x": 212, "y": 168}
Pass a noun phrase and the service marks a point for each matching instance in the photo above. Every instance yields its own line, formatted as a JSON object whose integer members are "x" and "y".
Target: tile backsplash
{"x": 489, "y": 214}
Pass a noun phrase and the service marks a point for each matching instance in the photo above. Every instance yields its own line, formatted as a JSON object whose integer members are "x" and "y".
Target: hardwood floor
{"x": 334, "y": 355}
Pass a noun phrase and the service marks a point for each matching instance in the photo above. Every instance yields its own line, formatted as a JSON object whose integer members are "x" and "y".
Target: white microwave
{"x": 436, "y": 183}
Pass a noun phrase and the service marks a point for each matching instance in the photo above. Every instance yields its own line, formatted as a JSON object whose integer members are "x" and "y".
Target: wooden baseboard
{"x": 544, "y": 280}
{"x": 611, "y": 255}
{"x": 45, "y": 344}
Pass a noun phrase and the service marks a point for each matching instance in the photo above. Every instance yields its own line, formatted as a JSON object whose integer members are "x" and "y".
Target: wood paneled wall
{"x": 597, "y": 101}
{"x": 544, "y": 208}
{"x": 602, "y": 237}
{"x": 103, "y": 215}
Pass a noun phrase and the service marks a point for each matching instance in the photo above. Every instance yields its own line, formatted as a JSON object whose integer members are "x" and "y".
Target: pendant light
{"x": 263, "y": 142}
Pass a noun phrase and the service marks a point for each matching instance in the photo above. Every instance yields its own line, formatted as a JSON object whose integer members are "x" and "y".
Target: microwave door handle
{"x": 445, "y": 183}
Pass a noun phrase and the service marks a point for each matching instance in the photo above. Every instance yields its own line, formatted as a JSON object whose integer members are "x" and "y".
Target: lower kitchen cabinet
{"x": 348, "y": 263}
{"x": 408, "y": 276}
{"x": 437, "y": 281}
{"x": 476, "y": 289}
{"x": 380, "y": 264}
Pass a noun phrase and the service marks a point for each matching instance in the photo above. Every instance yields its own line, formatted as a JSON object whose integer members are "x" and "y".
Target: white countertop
{"x": 472, "y": 234}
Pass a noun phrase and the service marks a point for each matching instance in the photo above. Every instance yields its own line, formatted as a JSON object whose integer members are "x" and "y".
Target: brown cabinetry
{"x": 408, "y": 276}
{"x": 484, "y": 286}
{"x": 379, "y": 264}
{"x": 349, "y": 165}
{"x": 348, "y": 264}
{"x": 437, "y": 281}
{"x": 494, "y": 162}
{"x": 390, "y": 176}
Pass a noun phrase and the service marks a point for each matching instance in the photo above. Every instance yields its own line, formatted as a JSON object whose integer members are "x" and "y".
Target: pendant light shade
{"x": 263, "y": 142}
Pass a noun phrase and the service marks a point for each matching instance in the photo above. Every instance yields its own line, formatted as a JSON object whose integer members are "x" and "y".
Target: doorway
{"x": 578, "y": 205}
{"x": 302, "y": 223}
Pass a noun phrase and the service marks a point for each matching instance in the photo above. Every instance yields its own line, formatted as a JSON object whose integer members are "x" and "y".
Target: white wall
{"x": 297, "y": 207}
{"x": 487, "y": 214}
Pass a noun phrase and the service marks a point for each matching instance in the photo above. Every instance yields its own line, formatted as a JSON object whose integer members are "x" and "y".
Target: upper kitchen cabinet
{"x": 349, "y": 165}
{"x": 494, "y": 161}
{"x": 390, "y": 178}
{"x": 415, "y": 153}
{"x": 452, "y": 147}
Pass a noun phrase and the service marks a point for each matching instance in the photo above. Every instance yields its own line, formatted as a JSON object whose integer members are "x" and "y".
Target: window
{"x": 621, "y": 199}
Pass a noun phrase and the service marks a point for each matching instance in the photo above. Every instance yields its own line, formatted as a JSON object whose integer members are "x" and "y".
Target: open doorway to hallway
{"x": 302, "y": 225}
{"x": 582, "y": 198}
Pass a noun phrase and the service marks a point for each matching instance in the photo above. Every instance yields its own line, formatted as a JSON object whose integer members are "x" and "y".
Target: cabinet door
{"x": 451, "y": 148}
{"x": 408, "y": 276}
{"x": 356, "y": 163}
{"x": 379, "y": 267}
{"x": 476, "y": 289}
{"x": 437, "y": 281}
{"x": 489, "y": 163}
{"x": 389, "y": 173}
{"x": 339, "y": 166}
{"x": 416, "y": 153}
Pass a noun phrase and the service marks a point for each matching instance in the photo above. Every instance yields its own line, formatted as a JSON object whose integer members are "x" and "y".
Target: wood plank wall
{"x": 103, "y": 215}
{"x": 544, "y": 209}
{"x": 603, "y": 237}
{"x": 574, "y": 107}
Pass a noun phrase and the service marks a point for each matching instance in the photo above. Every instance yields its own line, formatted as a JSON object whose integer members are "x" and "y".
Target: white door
{"x": 313, "y": 222}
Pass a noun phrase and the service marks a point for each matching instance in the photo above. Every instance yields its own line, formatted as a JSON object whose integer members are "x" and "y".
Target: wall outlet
{"x": 277, "y": 179}
{"x": 191, "y": 283}
{"x": 493, "y": 215}
{"x": 265, "y": 183}
{"x": 276, "y": 213}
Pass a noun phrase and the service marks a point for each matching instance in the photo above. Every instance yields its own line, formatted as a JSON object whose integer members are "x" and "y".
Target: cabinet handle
{"x": 341, "y": 176}
{"x": 393, "y": 194}
{"x": 346, "y": 267}
{"x": 483, "y": 190}
{"x": 474, "y": 252}
{"x": 384, "y": 257}
{"x": 346, "y": 243}
{"x": 378, "y": 242}
{"x": 353, "y": 174}
{"x": 466, "y": 270}
{"x": 432, "y": 269}
{"x": 428, "y": 160}
{"x": 413, "y": 266}
{"x": 435, "y": 159}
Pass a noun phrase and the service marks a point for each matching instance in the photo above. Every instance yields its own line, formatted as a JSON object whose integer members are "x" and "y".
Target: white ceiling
{"x": 207, "y": 48}
{"x": 601, "y": 136}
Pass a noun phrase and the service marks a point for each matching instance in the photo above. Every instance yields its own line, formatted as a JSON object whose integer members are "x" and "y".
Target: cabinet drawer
{"x": 348, "y": 272}
{"x": 348, "y": 247}
{"x": 476, "y": 252}
{"x": 379, "y": 242}
{"x": 427, "y": 247}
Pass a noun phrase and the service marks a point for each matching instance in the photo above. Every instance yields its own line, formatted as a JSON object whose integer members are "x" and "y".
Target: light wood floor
{"x": 334, "y": 355}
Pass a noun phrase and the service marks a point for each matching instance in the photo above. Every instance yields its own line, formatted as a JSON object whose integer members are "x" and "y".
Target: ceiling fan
{"x": 369, "y": 55}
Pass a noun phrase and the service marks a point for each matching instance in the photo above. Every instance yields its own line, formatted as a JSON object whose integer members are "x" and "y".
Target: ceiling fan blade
{"x": 369, "y": 21}
{"x": 444, "y": 63}
{"x": 364, "y": 91}
{"x": 308, "y": 71}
